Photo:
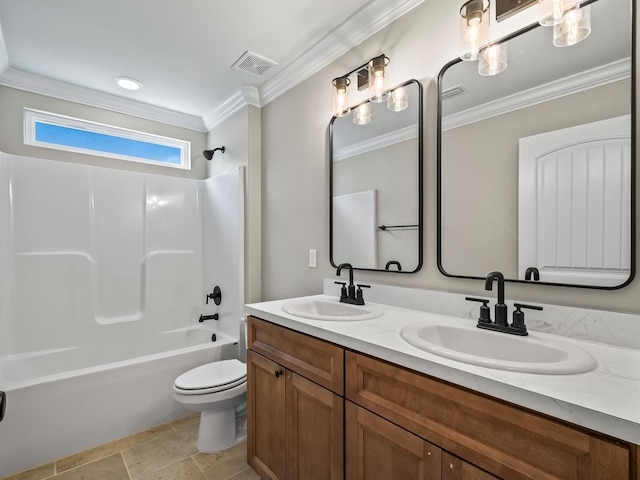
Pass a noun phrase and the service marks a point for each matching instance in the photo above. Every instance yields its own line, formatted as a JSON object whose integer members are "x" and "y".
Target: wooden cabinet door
{"x": 265, "y": 417}
{"x": 454, "y": 468}
{"x": 315, "y": 432}
{"x": 378, "y": 449}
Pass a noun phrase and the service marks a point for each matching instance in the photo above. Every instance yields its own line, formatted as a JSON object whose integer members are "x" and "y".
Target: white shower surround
{"x": 104, "y": 275}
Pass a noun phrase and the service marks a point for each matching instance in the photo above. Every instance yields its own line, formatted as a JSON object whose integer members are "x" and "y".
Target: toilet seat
{"x": 211, "y": 378}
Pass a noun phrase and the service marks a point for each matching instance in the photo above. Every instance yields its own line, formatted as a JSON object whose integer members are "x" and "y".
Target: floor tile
{"x": 142, "y": 437}
{"x": 160, "y": 452}
{"x": 109, "y": 468}
{"x": 184, "y": 470}
{"x": 223, "y": 465}
{"x": 38, "y": 473}
{"x": 85, "y": 457}
{"x": 246, "y": 475}
{"x": 187, "y": 424}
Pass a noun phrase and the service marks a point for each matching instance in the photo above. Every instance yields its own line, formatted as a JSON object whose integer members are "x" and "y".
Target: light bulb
{"x": 362, "y": 114}
{"x": 551, "y": 11}
{"x": 492, "y": 59}
{"x": 474, "y": 28}
{"x": 376, "y": 78}
{"x": 398, "y": 100}
{"x": 574, "y": 27}
{"x": 340, "y": 100}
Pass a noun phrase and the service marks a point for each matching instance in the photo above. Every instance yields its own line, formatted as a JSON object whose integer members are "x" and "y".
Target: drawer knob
{"x": 278, "y": 373}
{"x": 451, "y": 466}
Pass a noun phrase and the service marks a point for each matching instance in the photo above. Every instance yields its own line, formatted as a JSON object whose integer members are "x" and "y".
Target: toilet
{"x": 217, "y": 390}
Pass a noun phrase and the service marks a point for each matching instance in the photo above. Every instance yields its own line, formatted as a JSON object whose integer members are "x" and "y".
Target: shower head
{"x": 208, "y": 154}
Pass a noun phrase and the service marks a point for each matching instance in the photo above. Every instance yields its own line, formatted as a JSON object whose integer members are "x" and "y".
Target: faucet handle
{"x": 518, "y": 315}
{"x": 343, "y": 290}
{"x": 359, "y": 297}
{"x": 485, "y": 311}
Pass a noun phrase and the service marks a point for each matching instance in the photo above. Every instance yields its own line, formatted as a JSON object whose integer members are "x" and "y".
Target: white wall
{"x": 241, "y": 136}
{"x": 13, "y": 102}
{"x": 295, "y": 166}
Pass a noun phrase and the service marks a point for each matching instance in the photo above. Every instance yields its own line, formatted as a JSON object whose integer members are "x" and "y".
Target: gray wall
{"x": 13, "y": 101}
{"x": 295, "y": 169}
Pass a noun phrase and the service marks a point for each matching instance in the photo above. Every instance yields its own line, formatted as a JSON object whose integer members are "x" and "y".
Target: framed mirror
{"x": 536, "y": 165}
{"x": 375, "y": 189}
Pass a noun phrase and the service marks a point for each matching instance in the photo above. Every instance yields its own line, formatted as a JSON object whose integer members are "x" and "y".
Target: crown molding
{"x": 365, "y": 22}
{"x": 233, "y": 104}
{"x": 579, "y": 82}
{"x": 86, "y": 96}
{"x": 397, "y": 136}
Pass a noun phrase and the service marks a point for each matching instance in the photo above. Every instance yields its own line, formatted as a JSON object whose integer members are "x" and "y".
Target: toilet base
{"x": 220, "y": 430}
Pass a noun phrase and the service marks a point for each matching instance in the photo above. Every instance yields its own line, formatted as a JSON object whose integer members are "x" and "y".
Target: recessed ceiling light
{"x": 128, "y": 83}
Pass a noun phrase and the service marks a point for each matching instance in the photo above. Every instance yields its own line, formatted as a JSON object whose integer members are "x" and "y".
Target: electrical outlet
{"x": 313, "y": 258}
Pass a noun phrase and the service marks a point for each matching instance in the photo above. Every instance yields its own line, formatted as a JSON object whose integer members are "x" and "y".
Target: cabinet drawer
{"x": 319, "y": 361}
{"x": 501, "y": 438}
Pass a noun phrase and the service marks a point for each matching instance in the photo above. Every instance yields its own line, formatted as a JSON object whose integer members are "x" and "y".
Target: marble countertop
{"x": 606, "y": 399}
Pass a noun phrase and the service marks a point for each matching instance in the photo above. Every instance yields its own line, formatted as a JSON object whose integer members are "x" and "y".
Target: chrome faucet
{"x": 349, "y": 294}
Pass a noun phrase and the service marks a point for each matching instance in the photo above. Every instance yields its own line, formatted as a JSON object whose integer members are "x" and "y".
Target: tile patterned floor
{"x": 167, "y": 452}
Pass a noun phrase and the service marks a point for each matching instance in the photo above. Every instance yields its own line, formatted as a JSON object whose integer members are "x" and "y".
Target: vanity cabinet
{"x": 295, "y": 404}
{"x": 318, "y": 411}
{"x": 487, "y": 434}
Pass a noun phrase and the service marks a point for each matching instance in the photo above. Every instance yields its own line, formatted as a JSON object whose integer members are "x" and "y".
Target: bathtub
{"x": 66, "y": 400}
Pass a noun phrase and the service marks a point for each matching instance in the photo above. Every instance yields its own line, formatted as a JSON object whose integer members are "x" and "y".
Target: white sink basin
{"x": 499, "y": 350}
{"x": 330, "y": 310}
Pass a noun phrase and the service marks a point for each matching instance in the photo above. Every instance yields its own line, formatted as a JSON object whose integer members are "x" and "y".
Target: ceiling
{"x": 182, "y": 52}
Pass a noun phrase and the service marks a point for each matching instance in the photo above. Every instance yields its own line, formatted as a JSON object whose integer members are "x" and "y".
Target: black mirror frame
{"x": 633, "y": 166}
{"x": 420, "y": 184}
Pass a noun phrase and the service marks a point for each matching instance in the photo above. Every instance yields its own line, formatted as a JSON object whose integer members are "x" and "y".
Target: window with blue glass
{"x": 81, "y": 136}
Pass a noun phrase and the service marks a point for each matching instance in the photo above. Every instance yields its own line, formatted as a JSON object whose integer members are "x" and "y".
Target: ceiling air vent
{"x": 253, "y": 63}
{"x": 452, "y": 92}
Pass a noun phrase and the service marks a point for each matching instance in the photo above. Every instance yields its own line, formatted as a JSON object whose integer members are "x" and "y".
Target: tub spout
{"x": 208, "y": 317}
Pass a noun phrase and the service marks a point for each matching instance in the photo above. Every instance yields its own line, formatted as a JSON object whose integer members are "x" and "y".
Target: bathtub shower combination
{"x": 104, "y": 275}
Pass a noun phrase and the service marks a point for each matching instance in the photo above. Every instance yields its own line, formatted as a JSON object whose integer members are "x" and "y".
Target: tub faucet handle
{"x": 216, "y": 296}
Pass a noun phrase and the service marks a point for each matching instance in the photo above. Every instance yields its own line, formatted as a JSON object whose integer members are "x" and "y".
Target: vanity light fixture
{"x": 340, "y": 97}
{"x": 574, "y": 27}
{"x": 492, "y": 59}
{"x": 552, "y": 11}
{"x": 370, "y": 75}
{"x": 377, "y": 68}
{"x": 398, "y": 100}
{"x": 362, "y": 114}
{"x": 474, "y": 28}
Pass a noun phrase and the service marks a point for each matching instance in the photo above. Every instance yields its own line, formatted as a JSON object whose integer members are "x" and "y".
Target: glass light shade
{"x": 474, "y": 28}
{"x": 492, "y": 59}
{"x": 551, "y": 11}
{"x": 377, "y": 67}
{"x": 362, "y": 114}
{"x": 574, "y": 27}
{"x": 340, "y": 97}
{"x": 398, "y": 100}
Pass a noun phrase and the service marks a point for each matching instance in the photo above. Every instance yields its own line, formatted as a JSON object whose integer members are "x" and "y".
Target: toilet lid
{"x": 225, "y": 373}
